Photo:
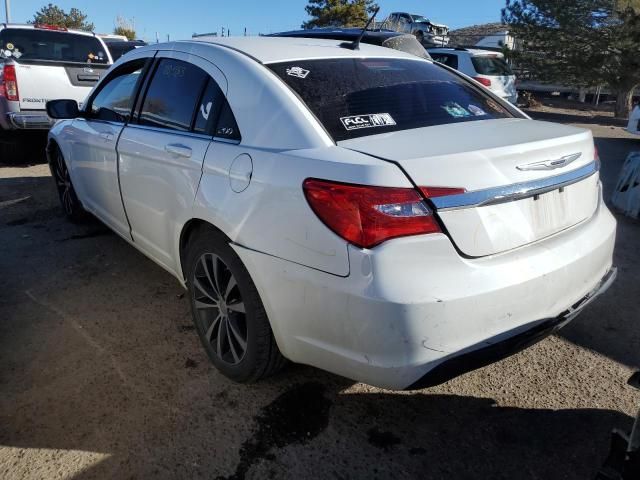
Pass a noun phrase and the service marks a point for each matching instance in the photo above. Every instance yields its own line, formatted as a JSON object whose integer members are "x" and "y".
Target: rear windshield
{"x": 491, "y": 66}
{"x": 356, "y": 97}
{"x": 25, "y": 44}
{"x": 118, "y": 49}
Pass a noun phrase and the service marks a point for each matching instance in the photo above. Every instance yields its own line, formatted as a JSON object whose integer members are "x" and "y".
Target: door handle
{"x": 179, "y": 150}
{"x": 107, "y": 136}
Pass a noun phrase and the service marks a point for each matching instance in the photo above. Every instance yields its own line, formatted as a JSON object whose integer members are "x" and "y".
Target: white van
{"x": 42, "y": 62}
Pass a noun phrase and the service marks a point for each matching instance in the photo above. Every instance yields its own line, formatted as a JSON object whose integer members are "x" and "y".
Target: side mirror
{"x": 63, "y": 109}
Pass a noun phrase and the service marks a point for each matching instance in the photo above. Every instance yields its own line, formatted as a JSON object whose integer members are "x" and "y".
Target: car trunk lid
{"x": 525, "y": 180}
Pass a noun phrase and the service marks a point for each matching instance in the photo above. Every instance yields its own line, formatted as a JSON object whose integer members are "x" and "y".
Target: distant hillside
{"x": 473, "y": 34}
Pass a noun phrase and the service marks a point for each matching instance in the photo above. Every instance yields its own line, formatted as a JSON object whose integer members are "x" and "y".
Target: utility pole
{"x": 157, "y": 38}
{"x": 7, "y": 9}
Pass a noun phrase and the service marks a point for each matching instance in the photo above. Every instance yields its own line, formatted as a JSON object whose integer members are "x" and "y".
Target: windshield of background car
{"x": 419, "y": 19}
{"x": 26, "y": 44}
{"x": 357, "y": 97}
{"x": 487, "y": 65}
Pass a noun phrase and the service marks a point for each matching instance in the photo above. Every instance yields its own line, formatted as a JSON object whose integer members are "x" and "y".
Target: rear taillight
{"x": 44, "y": 26}
{"x": 10, "y": 83}
{"x": 365, "y": 215}
{"x": 484, "y": 81}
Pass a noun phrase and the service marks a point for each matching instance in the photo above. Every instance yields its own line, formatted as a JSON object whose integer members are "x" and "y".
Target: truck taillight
{"x": 10, "y": 83}
{"x": 44, "y": 26}
{"x": 367, "y": 215}
{"x": 484, "y": 81}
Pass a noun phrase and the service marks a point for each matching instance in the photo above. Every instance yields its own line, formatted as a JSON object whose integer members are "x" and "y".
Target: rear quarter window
{"x": 26, "y": 44}
{"x": 446, "y": 59}
{"x": 356, "y": 97}
{"x": 495, "y": 66}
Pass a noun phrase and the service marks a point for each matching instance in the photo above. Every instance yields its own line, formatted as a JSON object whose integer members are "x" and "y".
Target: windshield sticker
{"x": 7, "y": 53}
{"x": 455, "y": 110}
{"x": 477, "y": 111}
{"x": 356, "y": 122}
{"x": 9, "y": 46}
{"x": 297, "y": 72}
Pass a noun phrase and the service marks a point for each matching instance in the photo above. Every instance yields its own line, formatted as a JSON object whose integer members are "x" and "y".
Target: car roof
{"x": 339, "y": 33}
{"x": 30, "y": 26}
{"x": 280, "y": 49}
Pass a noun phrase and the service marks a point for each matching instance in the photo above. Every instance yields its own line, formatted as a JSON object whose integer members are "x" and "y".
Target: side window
{"x": 227, "y": 126}
{"x": 114, "y": 100}
{"x": 214, "y": 116}
{"x": 448, "y": 60}
{"x": 208, "y": 109}
{"x": 172, "y": 95}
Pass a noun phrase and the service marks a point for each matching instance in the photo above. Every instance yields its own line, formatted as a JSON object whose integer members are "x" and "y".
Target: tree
{"x": 338, "y": 13}
{"x": 54, "y": 15}
{"x": 579, "y": 42}
{"x": 125, "y": 27}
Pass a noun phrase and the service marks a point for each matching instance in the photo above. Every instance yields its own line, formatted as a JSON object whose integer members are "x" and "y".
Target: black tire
{"x": 209, "y": 261}
{"x": 71, "y": 205}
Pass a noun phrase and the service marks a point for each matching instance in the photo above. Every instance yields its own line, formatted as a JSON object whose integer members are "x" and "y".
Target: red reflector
{"x": 484, "y": 81}
{"x": 44, "y": 26}
{"x": 10, "y": 83}
{"x": 366, "y": 216}
{"x": 432, "y": 192}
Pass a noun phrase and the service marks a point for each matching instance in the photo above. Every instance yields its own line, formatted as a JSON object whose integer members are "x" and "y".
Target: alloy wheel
{"x": 220, "y": 308}
{"x": 63, "y": 182}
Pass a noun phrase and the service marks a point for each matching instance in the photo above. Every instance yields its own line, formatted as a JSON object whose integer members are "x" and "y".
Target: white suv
{"x": 42, "y": 62}
{"x": 485, "y": 66}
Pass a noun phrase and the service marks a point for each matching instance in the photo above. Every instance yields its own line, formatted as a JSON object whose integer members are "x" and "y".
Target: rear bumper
{"x": 29, "y": 120}
{"x": 412, "y": 304}
{"x": 486, "y": 355}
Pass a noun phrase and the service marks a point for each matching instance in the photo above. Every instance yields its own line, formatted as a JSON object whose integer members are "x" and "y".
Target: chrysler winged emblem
{"x": 551, "y": 164}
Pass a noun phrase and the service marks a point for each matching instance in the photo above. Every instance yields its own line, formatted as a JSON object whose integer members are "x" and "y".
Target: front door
{"x": 161, "y": 152}
{"x": 94, "y": 161}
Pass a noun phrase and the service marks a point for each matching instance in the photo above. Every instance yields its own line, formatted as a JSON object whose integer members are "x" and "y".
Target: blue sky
{"x": 182, "y": 18}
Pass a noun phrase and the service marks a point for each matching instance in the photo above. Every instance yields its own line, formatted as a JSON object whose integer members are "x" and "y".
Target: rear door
{"x": 53, "y": 64}
{"x": 162, "y": 151}
{"x": 94, "y": 163}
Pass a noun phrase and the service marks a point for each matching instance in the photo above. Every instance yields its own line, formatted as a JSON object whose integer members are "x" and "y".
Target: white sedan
{"x": 363, "y": 211}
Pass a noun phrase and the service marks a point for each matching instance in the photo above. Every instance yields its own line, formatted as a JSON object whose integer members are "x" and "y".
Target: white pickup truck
{"x": 40, "y": 63}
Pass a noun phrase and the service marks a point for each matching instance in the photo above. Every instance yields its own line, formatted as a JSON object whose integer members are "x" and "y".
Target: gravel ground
{"x": 102, "y": 375}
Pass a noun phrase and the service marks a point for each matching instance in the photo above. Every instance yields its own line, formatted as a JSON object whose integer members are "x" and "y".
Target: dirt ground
{"x": 102, "y": 376}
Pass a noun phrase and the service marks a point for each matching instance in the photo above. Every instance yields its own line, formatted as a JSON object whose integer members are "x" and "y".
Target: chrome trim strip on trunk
{"x": 516, "y": 191}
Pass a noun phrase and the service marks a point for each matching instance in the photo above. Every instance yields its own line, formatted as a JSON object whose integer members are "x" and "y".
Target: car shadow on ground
{"x": 310, "y": 429}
